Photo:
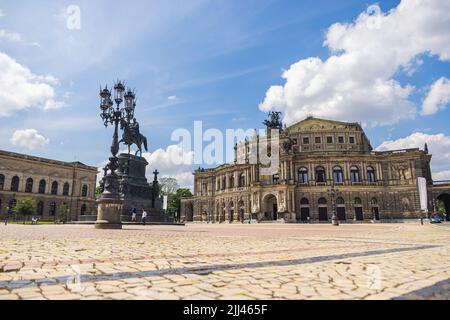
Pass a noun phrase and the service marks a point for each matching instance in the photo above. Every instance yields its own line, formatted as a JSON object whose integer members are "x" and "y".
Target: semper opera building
{"x": 50, "y": 183}
{"x": 323, "y": 165}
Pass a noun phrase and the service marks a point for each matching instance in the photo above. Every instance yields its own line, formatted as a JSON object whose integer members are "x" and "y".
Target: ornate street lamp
{"x": 332, "y": 193}
{"x": 110, "y": 205}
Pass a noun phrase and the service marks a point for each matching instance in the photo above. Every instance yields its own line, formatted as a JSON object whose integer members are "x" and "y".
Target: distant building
{"x": 316, "y": 154}
{"x": 50, "y": 182}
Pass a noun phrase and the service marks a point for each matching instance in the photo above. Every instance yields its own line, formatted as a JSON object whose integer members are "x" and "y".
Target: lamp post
{"x": 110, "y": 204}
{"x": 332, "y": 193}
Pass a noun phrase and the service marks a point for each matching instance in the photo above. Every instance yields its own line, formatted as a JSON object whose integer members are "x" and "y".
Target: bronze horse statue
{"x": 131, "y": 135}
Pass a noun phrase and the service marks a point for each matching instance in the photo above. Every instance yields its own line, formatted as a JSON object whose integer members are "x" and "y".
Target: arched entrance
{"x": 359, "y": 215}
{"x": 241, "y": 211}
{"x": 323, "y": 209}
{"x": 304, "y": 210}
{"x": 340, "y": 209}
{"x": 231, "y": 212}
{"x": 270, "y": 206}
{"x": 445, "y": 198}
{"x": 375, "y": 209}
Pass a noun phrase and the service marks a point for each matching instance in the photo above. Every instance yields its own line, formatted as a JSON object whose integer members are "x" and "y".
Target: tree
{"x": 63, "y": 210}
{"x": 440, "y": 207}
{"x": 25, "y": 206}
{"x": 175, "y": 201}
{"x": 168, "y": 186}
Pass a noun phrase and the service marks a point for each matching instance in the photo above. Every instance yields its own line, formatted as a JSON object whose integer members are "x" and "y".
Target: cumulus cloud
{"x": 21, "y": 89}
{"x": 29, "y": 139}
{"x": 357, "y": 82}
{"x": 438, "y": 146}
{"x": 438, "y": 97}
{"x": 171, "y": 162}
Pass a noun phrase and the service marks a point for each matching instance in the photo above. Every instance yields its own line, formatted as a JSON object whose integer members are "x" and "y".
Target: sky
{"x": 225, "y": 63}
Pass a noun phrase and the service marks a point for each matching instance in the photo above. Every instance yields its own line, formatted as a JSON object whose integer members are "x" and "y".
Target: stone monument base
{"x": 109, "y": 211}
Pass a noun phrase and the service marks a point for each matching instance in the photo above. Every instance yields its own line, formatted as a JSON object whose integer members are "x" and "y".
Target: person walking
{"x": 133, "y": 215}
{"x": 6, "y": 221}
{"x": 144, "y": 216}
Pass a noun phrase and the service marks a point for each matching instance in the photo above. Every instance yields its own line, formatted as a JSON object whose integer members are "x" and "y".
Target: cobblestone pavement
{"x": 197, "y": 261}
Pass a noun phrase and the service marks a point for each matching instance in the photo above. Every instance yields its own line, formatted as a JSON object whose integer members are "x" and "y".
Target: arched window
{"x": 320, "y": 175}
{"x": 83, "y": 209}
{"x": 15, "y": 183}
{"x": 241, "y": 180}
{"x": 42, "y": 185}
{"x": 55, "y": 187}
{"x": 52, "y": 209}
{"x": 303, "y": 175}
{"x": 374, "y": 202}
{"x": 29, "y": 185}
{"x": 357, "y": 201}
{"x": 354, "y": 174}
{"x": 66, "y": 189}
{"x": 40, "y": 208}
{"x": 322, "y": 201}
{"x": 232, "y": 181}
{"x": 11, "y": 205}
{"x": 304, "y": 201}
{"x": 370, "y": 174}
{"x": 2, "y": 181}
{"x": 340, "y": 200}
{"x": 338, "y": 176}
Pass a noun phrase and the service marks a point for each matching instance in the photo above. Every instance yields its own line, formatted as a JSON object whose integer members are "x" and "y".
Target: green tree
{"x": 175, "y": 200}
{"x": 63, "y": 211}
{"x": 25, "y": 207}
{"x": 440, "y": 207}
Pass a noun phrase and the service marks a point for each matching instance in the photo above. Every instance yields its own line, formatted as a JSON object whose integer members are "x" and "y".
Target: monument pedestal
{"x": 137, "y": 192}
{"x": 109, "y": 211}
{"x": 109, "y": 206}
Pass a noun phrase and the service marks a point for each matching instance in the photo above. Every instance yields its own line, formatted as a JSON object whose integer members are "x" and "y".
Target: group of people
{"x": 134, "y": 213}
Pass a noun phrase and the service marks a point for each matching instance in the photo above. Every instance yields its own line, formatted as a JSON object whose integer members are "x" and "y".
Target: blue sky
{"x": 215, "y": 59}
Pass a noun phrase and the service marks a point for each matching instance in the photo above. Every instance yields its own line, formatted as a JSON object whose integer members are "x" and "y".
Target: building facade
{"x": 324, "y": 166}
{"x": 50, "y": 183}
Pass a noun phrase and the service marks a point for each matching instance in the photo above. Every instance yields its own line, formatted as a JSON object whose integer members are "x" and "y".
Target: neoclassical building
{"x": 50, "y": 182}
{"x": 323, "y": 165}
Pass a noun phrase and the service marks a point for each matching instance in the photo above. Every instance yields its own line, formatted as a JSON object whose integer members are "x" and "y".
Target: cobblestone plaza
{"x": 226, "y": 261}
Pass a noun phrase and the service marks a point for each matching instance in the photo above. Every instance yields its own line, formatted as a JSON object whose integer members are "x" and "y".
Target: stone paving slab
{"x": 197, "y": 261}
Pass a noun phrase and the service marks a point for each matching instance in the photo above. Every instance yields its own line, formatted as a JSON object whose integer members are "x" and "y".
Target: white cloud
{"x": 357, "y": 82}
{"x": 170, "y": 162}
{"x": 172, "y": 98}
{"x": 29, "y": 139}
{"x": 438, "y": 146}
{"x": 438, "y": 97}
{"x": 21, "y": 89}
{"x": 442, "y": 175}
{"x": 10, "y": 36}
{"x": 2, "y": 14}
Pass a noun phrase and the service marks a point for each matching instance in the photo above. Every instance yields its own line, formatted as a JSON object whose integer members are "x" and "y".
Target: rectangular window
{"x": 351, "y": 139}
{"x": 329, "y": 139}
{"x": 341, "y": 139}
{"x": 305, "y": 140}
{"x": 317, "y": 140}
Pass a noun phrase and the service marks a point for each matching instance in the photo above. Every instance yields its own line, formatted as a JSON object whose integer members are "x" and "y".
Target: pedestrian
{"x": 144, "y": 216}
{"x": 6, "y": 221}
{"x": 133, "y": 215}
